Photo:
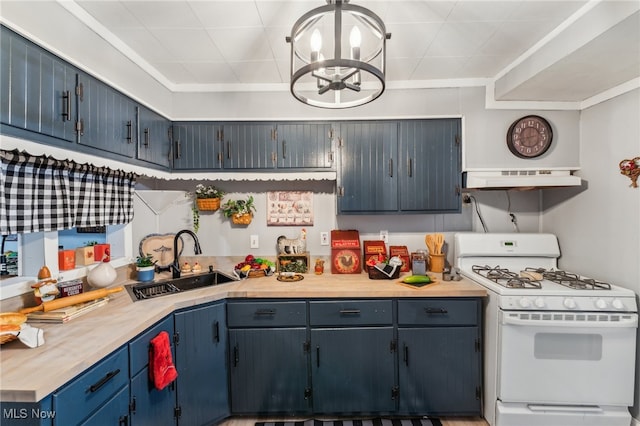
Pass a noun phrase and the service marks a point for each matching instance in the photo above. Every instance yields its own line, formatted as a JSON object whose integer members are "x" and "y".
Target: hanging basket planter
{"x": 242, "y": 219}
{"x": 208, "y": 204}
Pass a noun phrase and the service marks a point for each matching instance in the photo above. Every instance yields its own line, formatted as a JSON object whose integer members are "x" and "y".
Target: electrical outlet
{"x": 255, "y": 241}
{"x": 324, "y": 238}
{"x": 384, "y": 236}
{"x": 466, "y": 198}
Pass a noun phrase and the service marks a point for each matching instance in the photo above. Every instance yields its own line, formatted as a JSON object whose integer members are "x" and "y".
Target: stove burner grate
{"x": 575, "y": 281}
{"x": 506, "y": 278}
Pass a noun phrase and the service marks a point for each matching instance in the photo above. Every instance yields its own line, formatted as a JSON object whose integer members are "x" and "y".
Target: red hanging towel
{"x": 161, "y": 368}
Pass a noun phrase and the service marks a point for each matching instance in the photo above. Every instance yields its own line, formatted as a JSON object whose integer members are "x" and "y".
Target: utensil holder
{"x": 436, "y": 262}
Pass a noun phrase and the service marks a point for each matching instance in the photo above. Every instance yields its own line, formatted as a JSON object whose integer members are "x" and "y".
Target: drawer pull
{"x": 318, "y": 356}
{"x": 110, "y": 375}
{"x": 269, "y": 312}
{"x": 216, "y": 331}
{"x": 66, "y": 113}
{"x": 430, "y": 311}
{"x": 349, "y": 311}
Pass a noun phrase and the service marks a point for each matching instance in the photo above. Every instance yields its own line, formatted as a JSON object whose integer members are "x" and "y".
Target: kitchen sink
{"x": 150, "y": 290}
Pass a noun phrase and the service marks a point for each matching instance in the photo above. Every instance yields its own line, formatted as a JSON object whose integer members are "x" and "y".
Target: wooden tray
{"x": 160, "y": 247}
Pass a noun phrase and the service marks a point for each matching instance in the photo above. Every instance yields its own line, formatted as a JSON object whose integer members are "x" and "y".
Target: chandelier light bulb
{"x": 316, "y": 41}
{"x": 355, "y": 38}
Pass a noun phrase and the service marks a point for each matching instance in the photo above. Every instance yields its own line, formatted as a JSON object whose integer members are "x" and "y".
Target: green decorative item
{"x": 240, "y": 211}
{"x": 206, "y": 198}
{"x": 145, "y": 267}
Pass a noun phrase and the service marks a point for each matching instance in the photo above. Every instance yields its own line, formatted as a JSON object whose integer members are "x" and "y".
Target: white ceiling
{"x": 532, "y": 50}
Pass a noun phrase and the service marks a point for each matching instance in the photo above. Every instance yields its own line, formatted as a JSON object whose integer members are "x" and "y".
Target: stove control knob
{"x": 617, "y": 304}
{"x": 601, "y": 304}
{"x": 569, "y": 303}
{"x": 524, "y": 302}
{"x": 539, "y": 302}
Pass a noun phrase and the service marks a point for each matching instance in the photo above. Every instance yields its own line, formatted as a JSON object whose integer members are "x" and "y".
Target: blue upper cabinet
{"x": 367, "y": 180}
{"x": 154, "y": 138}
{"x": 304, "y": 145}
{"x": 197, "y": 146}
{"x": 249, "y": 145}
{"x": 407, "y": 166}
{"x": 37, "y": 91}
{"x": 107, "y": 120}
{"x": 430, "y": 174}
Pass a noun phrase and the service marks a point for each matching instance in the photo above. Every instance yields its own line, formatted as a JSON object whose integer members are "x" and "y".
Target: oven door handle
{"x": 623, "y": 321}
{"x": 566, "y": 408}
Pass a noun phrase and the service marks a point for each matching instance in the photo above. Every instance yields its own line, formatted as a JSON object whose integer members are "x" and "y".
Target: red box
{"x": 403, "y": 253}
{"x": 66, "y": 260}
{"x": 345, "y": 252}
{"x": 101, "y": 250}
{"x": 372, "y": 249}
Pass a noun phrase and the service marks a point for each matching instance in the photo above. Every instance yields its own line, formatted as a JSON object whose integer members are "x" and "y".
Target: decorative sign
{"x": 289, "y": 208}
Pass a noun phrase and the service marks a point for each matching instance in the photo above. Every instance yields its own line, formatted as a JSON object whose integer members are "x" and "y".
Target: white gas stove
{"x": 559, "y": 348}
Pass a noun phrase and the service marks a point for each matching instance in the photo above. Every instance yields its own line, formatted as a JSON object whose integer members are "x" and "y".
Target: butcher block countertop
{"x": 28, "y": 375}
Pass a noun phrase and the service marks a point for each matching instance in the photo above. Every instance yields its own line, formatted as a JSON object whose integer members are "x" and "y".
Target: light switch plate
{"x": 384, "y": 236}
{"x": 255, "y": 241}
{"x": 324, "y": 238}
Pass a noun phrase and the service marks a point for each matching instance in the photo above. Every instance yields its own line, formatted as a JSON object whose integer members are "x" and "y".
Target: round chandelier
{"x": 329, "y": 71}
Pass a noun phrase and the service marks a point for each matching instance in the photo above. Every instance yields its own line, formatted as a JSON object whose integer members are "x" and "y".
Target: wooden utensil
{"x": 63, "y": 302}
{"x": 428, "y": 240}
{"x": 439, "y": 242}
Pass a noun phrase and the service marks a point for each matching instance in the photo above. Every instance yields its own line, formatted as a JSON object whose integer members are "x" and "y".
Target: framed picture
{"x": 289, "y": 208}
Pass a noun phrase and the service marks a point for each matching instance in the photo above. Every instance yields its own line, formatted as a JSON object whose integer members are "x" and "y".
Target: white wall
{"x": 599, "y": 228}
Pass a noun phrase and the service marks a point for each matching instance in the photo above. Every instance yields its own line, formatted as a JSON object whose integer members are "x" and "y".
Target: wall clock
{"x": 529, "y": 137}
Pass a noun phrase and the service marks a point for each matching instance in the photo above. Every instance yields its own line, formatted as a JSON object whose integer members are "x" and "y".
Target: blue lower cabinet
{"x": 113, "y": 412}
{"x": 27, "y": 413}
{"x": 439, "y": 371}
{"x": 269, "y": 371}
{"x": 78, "y": 400}
{"x": 150, "y": 406}
{"x": 353, "y": 370}
{"x": 202, "y": 384}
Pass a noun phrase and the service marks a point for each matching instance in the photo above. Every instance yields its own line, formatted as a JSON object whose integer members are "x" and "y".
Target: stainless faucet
{"x": 175, "y": 267}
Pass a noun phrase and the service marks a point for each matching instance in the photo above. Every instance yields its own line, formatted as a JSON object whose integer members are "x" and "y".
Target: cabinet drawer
{"x": 351, "y": 312}
{"x": 84, "y": 394}
{"x": 139, "y": 346}
{"x": 438, "y": 312}
{"x": 266, "y": 314}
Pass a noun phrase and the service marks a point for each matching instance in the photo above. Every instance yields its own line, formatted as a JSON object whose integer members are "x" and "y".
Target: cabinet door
{"x": 150, "y": 406}
{"x": 368, "y": 167}
{"x": 202, "y": 385}
{"x": 430, "y": 173}
{"x": 249, "y": 146}
{"x": 439, "y": 371}
{"x": 268, "y": 370}
{"x": 353, "y": 370}
{"x": 197, "y": 146}
{"x": 113, "y": 412}
{"x": 154, "y": 140}
{"x": 304, "y": 145}
{"x": 107, "y": 118}
{"x": 37, "y": 89}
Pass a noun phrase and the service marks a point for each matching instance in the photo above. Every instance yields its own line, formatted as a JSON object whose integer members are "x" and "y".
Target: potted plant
{"x": 240, "y": 211}
{"x": 145, "y": 266}
{"x": 207, "y": 198}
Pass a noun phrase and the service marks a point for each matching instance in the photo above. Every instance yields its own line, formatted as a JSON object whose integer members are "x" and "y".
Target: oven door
{"x": 577, "y": 358}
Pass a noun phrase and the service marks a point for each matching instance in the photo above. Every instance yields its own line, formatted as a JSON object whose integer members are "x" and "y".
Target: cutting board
{"x": 160, "y": 247}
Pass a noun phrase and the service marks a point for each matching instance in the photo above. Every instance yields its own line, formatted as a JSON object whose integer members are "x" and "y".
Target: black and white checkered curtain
{"x": 40, "y": 193}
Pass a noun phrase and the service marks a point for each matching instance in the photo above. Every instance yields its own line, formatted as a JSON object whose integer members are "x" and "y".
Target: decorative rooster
{"x": 293, "y": 246}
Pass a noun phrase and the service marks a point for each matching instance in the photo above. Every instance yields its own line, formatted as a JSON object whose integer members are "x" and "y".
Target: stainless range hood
{"x": 523, "y": 179}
